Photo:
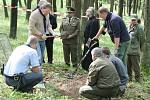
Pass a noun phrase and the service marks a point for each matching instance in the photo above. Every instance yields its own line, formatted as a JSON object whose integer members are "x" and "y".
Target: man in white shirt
{"x": 22, "y": 60}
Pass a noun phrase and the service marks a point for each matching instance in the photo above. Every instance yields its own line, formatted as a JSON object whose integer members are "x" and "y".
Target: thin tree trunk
{"x": 146, "y": 52}
{"x": 77, "y": 5}
{"x": 54, "y": 6}
{"x": 92, "y": 3}
{"x": 28, "y": 7}
{"x": 13, "y": 20}
{"x": 25, "y": 2}
{"x": 134, "y": 6}
{"x": 20, "y": 4}
{"x": 5, "y": 9}
{"x": 38, "y": 1}
{"x": 61, "y": 5}
{"x": 111, "y": 5}
{"x": 96, "y": 4}
{"x": 130, "y": 7}
{"x": 120, "y": 11}
{"x": 68, "y": 3}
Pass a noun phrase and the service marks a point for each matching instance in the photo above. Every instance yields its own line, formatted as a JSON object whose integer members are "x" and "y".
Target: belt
{"x": 15, "y": 76}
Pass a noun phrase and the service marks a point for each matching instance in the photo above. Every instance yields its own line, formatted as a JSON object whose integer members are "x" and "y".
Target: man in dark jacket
{"x": 90, "y": 31}
{"x": 49, "y": 41}
{"x": 117, "y": 30}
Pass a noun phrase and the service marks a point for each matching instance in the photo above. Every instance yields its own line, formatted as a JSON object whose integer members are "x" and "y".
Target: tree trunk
{"x": 28, "y": 7}
{"x": 120, "y": 8}
{"x": 61, "y": 5}
{"x": 134, "y": 7}
{"x": 92, "y": 3}
{"x": 139, "y": 5}
{"x": 25, "y": 2}
{"x": 124, "y": 7}
{"x": 96, "y": 4}
{"x": 20, "y": 4}
{"x": 146, "y": 52}
{"x": 50, "y": 1}
{"x": 84, "y": 5}
{"x": 77, "y": 5}
{"x": 54, "y": 6}
{"x": 13, "y": 20}
{"x": 38, "y": 1}
{"x": 111, "y": 5}
{"x": 5, "y": 9}
{"x": 130, "y": 7}
{"x": 68, "y": 3}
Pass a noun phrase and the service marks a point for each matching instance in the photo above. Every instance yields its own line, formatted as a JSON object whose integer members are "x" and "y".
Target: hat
{"x": 134, "y": 16}
{"x": 70, "y": 9}
{"x": 41, "y": 2}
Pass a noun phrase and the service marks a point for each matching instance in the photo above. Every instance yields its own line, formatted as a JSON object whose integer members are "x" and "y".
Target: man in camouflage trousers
{"x": 137, "y": 41}
{"x": 69, "y": 29}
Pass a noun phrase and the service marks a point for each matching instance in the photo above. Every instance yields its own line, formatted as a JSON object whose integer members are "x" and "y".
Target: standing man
{"x": 23, "y": 59}
{"x": 90, "y": 31}
{"x": 102, "y": 80}
{"x": 49, "y": 41}
{"x": 69, "y": 29}
{"x": 117, "y": 30}
{"x": 39, "y": 26}
{"x": 137, "y": 36}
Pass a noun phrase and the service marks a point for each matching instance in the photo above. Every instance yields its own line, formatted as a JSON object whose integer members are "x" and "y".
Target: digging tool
{"x": 72, "y": 75}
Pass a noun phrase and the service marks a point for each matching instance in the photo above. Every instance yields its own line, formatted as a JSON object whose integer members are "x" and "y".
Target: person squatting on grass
{"x": 120, "y": 67}
{"x": 102, "y": 80}
{"x": 23, "y": 59}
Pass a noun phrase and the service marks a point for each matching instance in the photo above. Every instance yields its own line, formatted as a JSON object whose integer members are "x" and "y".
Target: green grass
{"x": 135, "y": 91}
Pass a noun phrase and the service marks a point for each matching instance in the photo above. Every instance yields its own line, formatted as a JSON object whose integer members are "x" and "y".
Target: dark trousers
{"x": 49, "y": 49}
{"x": 70, "y": 50}
{"x": 88, "y": 59}
{"x": 133, "y": 64}
{"x": 27, "y": 81}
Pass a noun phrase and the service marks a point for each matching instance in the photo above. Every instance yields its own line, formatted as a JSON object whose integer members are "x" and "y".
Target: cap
{"x": 134, "y": 16}
{"x": 41, "y": 2}
{"x": 70, "y": 9}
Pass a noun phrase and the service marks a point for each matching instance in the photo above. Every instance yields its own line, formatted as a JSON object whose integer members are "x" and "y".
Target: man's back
{"x": 121, "y": 69}
{"x": 20, "y": 60}
{"x": 107, "y": 76}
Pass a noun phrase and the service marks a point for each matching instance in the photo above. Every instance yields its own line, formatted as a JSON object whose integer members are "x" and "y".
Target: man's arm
{"x": 35, "y": 69}
{"x": 99, "y": 33}
{"x": 92, "y": 76}
{"x": 117, "y": 41}
{"x": 33, "y": 30}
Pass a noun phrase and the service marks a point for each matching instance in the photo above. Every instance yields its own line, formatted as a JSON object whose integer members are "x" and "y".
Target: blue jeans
{"x": 40, "y": 50}
{"x": 27, "y": 82}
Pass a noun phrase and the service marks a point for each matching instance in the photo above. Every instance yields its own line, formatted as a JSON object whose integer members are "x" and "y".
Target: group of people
{"x": 107, "y": 73}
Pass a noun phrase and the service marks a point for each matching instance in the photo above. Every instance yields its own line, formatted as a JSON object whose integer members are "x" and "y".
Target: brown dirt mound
{"x": 69, "y": 87}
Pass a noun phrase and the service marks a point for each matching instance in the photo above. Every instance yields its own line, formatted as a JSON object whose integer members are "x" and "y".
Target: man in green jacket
{"x": 102, "y": 80}
{"x": 137, "y": 37}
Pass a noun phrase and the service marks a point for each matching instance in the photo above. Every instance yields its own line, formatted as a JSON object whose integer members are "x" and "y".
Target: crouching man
{"x": 103, "y": 80}
{"x": 23, "y": 59}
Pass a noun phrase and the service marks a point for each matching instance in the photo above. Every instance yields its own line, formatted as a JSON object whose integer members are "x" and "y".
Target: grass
{"x": 135, "y": 90}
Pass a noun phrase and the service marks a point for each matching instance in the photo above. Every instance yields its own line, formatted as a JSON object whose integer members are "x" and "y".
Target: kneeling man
{"x": 23, "y": 59}
{"x": 102, "y": 80}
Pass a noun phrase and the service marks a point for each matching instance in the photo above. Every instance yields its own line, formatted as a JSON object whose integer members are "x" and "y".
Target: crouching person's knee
{"x": 40, "y": 77}
{"x": 83, "y": 91}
